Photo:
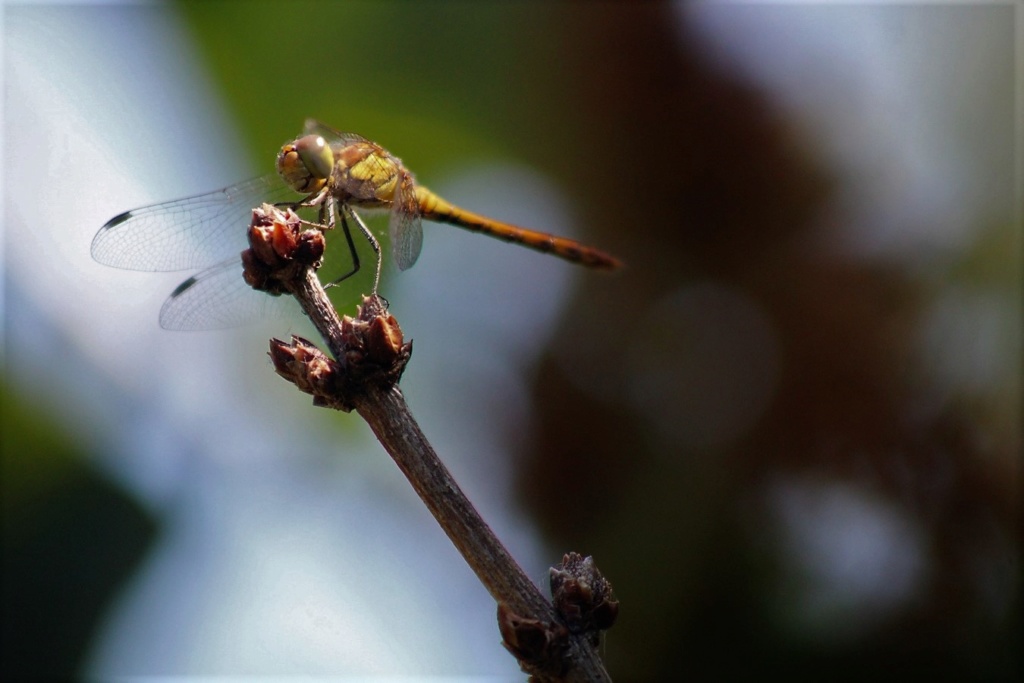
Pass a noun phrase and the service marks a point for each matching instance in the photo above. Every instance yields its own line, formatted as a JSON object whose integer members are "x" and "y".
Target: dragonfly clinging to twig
{"x": 338, "y": 175}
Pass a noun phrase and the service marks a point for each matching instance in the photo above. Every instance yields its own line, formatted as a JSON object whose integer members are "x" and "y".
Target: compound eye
{"x": 305, "y": 164}
{"x": 316, "y": 155}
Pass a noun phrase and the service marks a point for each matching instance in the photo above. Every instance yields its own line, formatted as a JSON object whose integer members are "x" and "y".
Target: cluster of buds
{"x": 585, "y": 605}
{"x": 582, "y": 596}
{"x": 279, "y": 249}
{"x": 375, "y": 355}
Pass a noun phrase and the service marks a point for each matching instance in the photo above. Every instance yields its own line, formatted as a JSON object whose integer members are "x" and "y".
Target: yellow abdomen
{"x": 434, "y": 208}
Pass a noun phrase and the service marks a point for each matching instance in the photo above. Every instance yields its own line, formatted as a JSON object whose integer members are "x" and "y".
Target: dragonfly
{"x": 336, "y": 175}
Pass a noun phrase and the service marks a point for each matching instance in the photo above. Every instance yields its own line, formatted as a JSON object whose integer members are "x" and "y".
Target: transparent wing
{"x": 219, "y": 297}
{"x": 186, "y": 233}
{"x": 330, "y": 135}
{"x": 405, "y": 227}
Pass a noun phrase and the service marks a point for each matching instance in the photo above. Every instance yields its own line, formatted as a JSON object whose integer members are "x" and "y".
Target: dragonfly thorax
{"x": 305, "y": 163}
{"x": 365, "y": 172}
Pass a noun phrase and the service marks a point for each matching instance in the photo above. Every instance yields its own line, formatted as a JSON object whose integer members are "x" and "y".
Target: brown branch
{"x": 369, "y": 357}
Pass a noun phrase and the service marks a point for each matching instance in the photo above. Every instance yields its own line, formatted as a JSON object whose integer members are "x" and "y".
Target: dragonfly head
{"x": 306, "y": 163}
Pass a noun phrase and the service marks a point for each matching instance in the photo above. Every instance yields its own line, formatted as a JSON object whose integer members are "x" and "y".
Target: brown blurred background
{"x": 764, "y": 465}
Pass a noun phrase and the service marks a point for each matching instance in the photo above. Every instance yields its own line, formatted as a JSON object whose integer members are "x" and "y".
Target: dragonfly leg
{"x": 325, "y": 216}
{"x": 352, "y": 250}
{"x": 370, "y": 238}
{"x": 324, "y": 223}
{"x": 315, "y": 199}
